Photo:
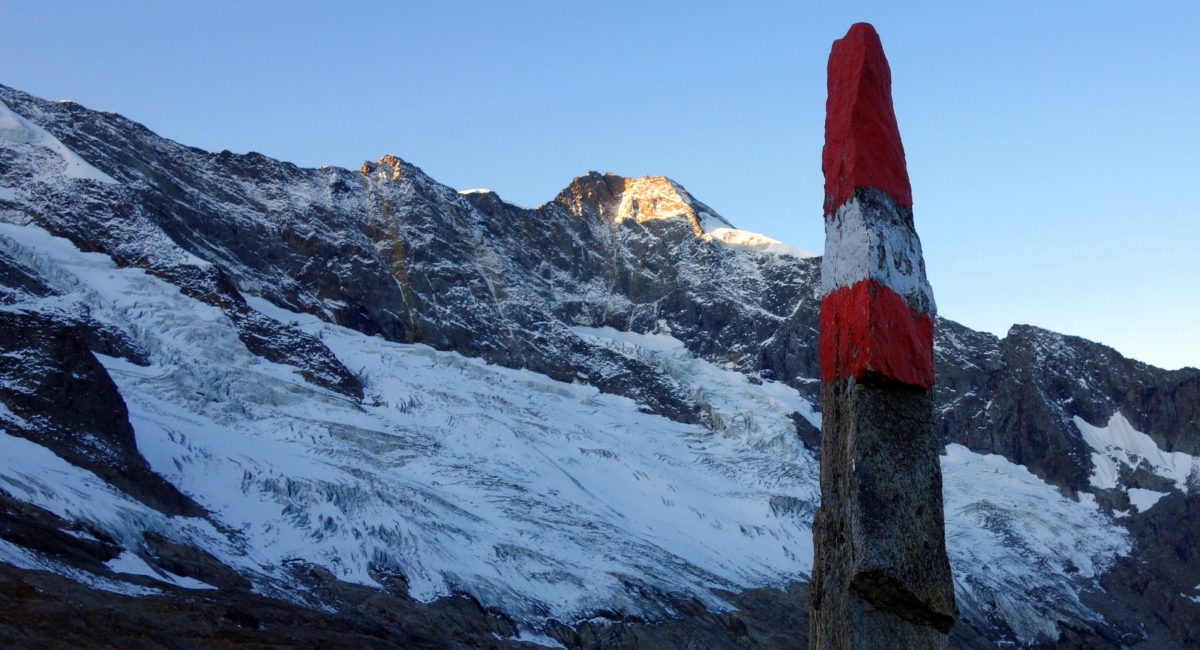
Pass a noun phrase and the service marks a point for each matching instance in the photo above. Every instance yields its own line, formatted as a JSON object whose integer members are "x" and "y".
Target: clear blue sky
{"x": 1053, "y": 146}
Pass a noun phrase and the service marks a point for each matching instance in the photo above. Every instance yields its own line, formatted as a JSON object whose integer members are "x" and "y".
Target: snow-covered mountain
{"x": 250, "y": 401}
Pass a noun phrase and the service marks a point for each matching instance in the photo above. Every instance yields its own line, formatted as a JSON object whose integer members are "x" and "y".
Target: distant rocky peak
{"x": 389, "y": 167}
{"x": 617, "y": 198}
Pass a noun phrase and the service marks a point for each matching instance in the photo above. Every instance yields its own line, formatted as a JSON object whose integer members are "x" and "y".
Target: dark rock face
{"x": 881, "y": 574}
{"x": 44, "y": 610}
{"x": 763, "y": 618}
{"x": 1017, "y": 396}
{"x": 1152, "y": 591}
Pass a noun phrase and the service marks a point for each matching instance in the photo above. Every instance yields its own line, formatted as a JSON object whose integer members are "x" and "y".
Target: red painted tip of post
{"x": 862, "y": 140}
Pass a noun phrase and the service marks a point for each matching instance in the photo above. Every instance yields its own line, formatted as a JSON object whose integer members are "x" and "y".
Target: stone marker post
{"x": 881, "y": 577}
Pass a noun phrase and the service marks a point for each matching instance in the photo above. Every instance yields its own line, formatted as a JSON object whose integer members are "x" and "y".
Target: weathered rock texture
{"x": 881, "y": 574}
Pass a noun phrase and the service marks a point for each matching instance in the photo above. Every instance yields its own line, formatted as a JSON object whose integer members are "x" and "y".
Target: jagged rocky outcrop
{"x": 272, "y": 270}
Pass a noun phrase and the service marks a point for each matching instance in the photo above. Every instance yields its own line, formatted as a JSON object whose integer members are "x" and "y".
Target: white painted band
{"x": 864, "y": 241}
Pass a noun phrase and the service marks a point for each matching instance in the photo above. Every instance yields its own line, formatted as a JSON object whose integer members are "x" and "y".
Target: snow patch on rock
{"x": 1118, "y": 445}
{"x": 16, "y": 130}
{"x": 129, "y": 562}
{"x": 1144, "y": 499}
{"x": 755, "y": 241}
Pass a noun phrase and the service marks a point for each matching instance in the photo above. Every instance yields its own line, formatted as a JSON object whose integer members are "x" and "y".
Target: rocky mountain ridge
{"x": 586, "y": 290}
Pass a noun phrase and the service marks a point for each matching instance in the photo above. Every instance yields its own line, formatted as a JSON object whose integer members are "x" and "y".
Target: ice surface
{"x": 550, "y": 499}
{"x": 1011, "y": 535}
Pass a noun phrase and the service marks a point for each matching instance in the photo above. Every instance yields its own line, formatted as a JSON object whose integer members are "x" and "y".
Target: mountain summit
{"x": 617, "y": 198}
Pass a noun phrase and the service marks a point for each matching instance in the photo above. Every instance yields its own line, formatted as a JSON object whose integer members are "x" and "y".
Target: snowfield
{"x": 546, "y": 499}
{"x": 1118, "y": 446}
{"x": 1008, "y": 532}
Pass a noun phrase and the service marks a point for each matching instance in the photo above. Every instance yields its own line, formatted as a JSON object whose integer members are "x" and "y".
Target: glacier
{"x": 548, "y": 499}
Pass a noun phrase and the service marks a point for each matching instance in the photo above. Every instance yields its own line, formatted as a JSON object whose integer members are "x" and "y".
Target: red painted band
{"x": 862, "y": 140}
{"x": 868, "y": 328}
